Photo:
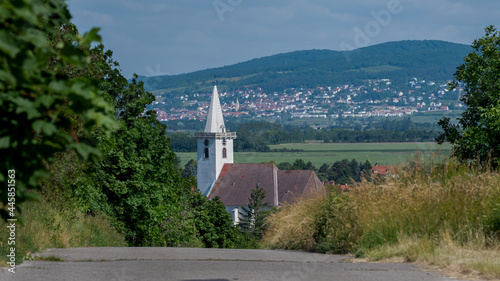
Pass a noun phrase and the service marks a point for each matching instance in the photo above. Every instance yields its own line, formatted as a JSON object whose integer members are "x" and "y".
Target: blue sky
{"x": 153, "y": 37}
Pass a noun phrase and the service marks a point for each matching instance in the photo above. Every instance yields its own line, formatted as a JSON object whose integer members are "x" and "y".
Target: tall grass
{"x": 424, "y": 212}
{"x": 45, "y": 227}
{"x": 292, "y": 227}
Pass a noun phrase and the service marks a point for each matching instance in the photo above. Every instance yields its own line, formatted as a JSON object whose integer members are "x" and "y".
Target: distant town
{"x": 373, "y": 98}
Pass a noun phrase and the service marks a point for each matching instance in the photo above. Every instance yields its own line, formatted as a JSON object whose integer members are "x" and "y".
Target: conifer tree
{"x": 253, "y": 217}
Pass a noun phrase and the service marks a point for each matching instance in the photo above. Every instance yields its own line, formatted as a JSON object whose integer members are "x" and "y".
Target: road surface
{"x": 188, "y": 264}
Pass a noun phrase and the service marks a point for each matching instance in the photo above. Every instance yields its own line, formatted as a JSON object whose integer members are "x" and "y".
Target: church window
{"x": 224, "y": 153}
{"x": 206, "y": 142}
{"x": 205, "y": 154}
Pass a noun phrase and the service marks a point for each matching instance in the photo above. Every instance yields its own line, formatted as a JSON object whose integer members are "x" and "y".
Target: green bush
{"x": 213, "y": 223}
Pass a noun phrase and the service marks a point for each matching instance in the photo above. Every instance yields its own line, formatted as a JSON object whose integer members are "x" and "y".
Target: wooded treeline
{"x": 341, "y": 172}
{"x": 257, "y": 136}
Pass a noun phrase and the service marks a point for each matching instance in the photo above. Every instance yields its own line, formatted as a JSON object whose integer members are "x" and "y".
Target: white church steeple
{"x": 215, "y": 120}
{"x": 215, "y": 146}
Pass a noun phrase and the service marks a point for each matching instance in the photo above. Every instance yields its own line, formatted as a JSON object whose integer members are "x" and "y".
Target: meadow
{"x": 320, "y": 153}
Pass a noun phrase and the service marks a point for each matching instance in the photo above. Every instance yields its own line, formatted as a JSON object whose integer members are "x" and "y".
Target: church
{"x": 218, "y": 175}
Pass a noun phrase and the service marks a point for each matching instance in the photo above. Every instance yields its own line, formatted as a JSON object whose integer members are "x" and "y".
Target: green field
{"x": 435, "y": 116}
{"x": 319, "y": 153}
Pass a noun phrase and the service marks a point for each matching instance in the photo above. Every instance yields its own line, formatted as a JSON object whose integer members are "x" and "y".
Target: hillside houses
{"x": 375, "y": 98}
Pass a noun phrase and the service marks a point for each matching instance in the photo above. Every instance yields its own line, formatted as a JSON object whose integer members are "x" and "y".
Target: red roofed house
{"x": 217, "y": 175}
{"x": 382, "y": 170}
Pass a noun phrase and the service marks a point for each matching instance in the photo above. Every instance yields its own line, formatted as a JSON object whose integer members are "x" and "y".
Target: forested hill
{"x": 399, "y": 61}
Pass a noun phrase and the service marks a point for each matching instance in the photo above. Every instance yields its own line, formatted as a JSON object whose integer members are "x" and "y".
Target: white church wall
{"x": 207, "y": 169}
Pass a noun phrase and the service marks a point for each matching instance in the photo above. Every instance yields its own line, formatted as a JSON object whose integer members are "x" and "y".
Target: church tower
{"x": 215, "y": 146}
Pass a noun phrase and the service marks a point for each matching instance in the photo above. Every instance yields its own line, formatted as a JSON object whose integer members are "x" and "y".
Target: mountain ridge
{"x": 397, "y": 60}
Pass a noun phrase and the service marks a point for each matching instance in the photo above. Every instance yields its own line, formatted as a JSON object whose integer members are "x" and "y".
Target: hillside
{"x": 399, "y": 61}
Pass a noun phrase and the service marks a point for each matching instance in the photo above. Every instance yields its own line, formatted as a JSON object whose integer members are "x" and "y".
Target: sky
{"x": 158, "y": 37}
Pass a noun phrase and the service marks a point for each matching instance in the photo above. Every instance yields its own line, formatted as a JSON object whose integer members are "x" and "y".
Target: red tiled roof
{"x": 236, "y": 182}
{"x": 297, "y": 183}
{"x": 382, "y": 170}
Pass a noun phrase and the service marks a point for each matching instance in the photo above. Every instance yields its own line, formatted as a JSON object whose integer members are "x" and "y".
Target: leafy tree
{"x": 41, "y": 106}
{"x": 324, "y": 168}
{"x": 299, "y": 164}
{"x": 341, "y": 172}
{"x": 284, "y": 166}
{"x": 181, "y": 142}
{"x": 213, "y": 223}
{"x": 190, "y": 169}
{"x": 323, "y": 172}
{"x": 253, "y": 217}
{"x": 310, "y": 166}
{"x": 138, "y": 182}
{"x": 477, "y": 134}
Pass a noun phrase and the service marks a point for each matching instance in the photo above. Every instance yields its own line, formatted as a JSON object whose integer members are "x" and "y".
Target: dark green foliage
{"x": 253, "y": 216}
{"x": 341, "y": 172}
{"x": 41, "y": 107}
{"x": 213, "y": 223}
{"x": 137, "y": 182}
{"x": 182, "y": 142}
{"x": 190, "y": 169}
{"x": 284, "y": 166}
{"x": 476, "y": 137}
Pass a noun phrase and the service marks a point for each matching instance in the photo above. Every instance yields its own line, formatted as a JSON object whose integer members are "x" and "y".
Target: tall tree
{"x": 138, "y": 182}
{"x": 477, "y": 134}
{"x": 253, "y": 217}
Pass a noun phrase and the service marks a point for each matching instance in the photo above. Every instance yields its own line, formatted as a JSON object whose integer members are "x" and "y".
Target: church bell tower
{"x": 215, "y": 146}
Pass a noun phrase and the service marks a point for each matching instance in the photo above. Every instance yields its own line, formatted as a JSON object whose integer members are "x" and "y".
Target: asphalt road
{"x": 187, "y": 264}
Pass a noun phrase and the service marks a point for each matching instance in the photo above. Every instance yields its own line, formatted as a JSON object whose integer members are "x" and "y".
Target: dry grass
{"x": 46, "y": 227}
{"x": 443, "y": 215}
{"x": 463, "y": 261}
{"x": 293, "y": 226}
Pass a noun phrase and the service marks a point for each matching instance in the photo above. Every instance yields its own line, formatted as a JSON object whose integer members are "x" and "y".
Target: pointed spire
{"x": 215, "y": 120}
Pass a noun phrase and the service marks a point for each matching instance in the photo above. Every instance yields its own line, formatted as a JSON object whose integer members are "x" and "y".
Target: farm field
{"x": 320, "y": 153}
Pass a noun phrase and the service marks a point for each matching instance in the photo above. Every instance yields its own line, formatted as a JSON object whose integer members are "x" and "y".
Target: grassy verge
{"x": 46, "y": 227}
{"x": 444, "y": 215}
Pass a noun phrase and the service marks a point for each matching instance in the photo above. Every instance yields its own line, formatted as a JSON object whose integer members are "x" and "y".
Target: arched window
{"x": 205, "y": 154}
{"x": 224, "y": 153}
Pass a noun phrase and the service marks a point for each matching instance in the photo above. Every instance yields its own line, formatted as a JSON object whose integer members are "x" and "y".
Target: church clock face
{"x": 206, "y": 142}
